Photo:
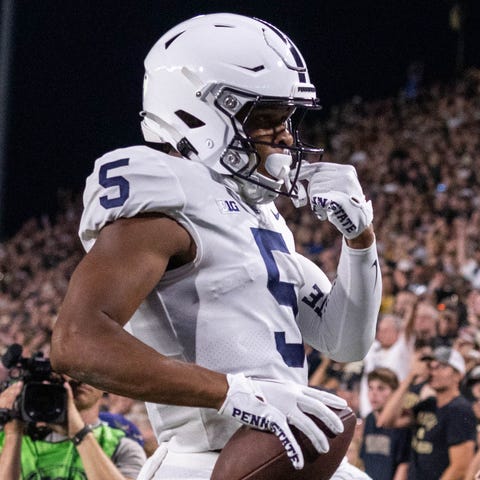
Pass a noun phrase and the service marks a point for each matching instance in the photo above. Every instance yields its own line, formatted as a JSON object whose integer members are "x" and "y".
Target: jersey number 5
{"x": 123, "y": 187}
{"x": 293, "y": 354}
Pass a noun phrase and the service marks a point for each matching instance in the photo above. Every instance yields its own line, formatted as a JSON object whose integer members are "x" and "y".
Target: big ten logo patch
{"x": 227, "y": 206}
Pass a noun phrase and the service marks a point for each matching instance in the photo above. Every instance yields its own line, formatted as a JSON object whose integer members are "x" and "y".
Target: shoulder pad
{"x": 125, "y": 183}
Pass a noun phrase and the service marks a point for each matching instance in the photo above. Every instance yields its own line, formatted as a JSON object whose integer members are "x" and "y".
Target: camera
{"x": 43, "y": 397}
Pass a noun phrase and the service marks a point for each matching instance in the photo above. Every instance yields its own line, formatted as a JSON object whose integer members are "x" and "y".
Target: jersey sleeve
{"x": 462, "y": 425}
{"x": 125, "y": 183}
{"x": 340, "y": 319}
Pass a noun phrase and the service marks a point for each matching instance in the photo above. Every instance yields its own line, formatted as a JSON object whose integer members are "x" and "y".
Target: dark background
{"x": 77, "y": 68}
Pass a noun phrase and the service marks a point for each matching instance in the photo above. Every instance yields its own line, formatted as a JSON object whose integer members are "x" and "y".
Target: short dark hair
{"x": 384, "y": 375}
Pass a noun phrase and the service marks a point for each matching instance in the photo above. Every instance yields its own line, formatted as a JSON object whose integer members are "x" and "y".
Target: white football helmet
{"x": 198, "y": 77}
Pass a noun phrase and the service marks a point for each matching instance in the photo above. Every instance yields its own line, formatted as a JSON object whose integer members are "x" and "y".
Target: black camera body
{"x": 43, "y": 397}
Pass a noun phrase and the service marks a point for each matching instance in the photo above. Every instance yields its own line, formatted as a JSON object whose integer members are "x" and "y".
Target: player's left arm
{"x": 340, "y": 319}
{"x": 460, "y": 456}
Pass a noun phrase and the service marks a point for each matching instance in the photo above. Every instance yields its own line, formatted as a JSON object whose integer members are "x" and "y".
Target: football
{"x": 258, "y": 455}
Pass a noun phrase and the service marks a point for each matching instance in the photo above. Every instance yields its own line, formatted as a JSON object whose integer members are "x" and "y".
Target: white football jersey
{"x": 233, "y": 308}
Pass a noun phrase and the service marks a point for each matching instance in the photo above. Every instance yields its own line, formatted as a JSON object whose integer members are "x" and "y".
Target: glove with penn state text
{"x": 273, "y": 405}
{"x": 335, "y": 194}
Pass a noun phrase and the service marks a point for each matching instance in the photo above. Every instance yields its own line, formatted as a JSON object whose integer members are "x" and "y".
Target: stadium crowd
{"x": 418, "y": 157}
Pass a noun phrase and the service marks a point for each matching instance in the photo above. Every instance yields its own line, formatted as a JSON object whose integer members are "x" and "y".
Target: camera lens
{"x": 43, "y": 402}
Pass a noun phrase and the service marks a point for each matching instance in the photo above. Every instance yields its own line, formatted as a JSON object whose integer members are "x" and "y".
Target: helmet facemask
{"x": 278, "y": 174}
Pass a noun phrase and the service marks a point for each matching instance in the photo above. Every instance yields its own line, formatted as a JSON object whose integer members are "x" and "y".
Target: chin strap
{"x": 254, "y": 193}
{"x": 278, "y": 166}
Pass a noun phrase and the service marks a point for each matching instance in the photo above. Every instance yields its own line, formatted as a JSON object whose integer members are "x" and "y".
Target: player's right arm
{"x": 89, "y": 343}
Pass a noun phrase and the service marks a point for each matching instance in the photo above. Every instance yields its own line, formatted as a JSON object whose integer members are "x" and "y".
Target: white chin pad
{"x": 278, "y": 165}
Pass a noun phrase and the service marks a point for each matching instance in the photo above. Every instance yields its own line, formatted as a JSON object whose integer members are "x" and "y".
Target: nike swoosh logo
{"x": 276, "y": 214}
{"x": 375, "y": 264}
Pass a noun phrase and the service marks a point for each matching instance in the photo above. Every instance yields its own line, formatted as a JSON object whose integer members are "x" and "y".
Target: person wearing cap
{"x": 443, "y": 425}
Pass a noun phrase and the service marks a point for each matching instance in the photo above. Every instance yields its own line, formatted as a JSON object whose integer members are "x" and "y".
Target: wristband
{"x": 81, "y": 434}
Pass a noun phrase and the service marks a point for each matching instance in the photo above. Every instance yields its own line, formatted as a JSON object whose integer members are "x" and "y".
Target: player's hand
{"x": 335, "y": 194}
{"x": 273, "y": 405}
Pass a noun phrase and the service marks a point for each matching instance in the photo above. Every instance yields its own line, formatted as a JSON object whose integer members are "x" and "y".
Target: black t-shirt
{"x": 437, "y": 429}
{"x": 383, "y": 449}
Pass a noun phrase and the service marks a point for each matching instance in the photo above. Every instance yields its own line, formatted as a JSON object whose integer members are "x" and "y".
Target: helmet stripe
{"x": 291, "y": 46}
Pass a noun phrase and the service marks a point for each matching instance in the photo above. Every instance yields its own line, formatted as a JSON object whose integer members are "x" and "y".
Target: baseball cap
{"x": 448, "y": 356}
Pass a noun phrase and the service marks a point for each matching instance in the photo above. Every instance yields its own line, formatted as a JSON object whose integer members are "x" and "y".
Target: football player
{"x": 191, "y": 296}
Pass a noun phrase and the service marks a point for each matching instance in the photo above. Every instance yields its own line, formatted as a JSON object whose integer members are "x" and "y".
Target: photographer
{"x": 81, "y": 447}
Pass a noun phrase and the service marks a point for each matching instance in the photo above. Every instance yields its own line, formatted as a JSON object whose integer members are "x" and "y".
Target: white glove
{"x": 271, "y": 405}
{"x": 335, "y": 194}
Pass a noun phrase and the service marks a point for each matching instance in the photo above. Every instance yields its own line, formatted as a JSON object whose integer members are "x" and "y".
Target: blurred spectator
{"x": 131, "y": 416}
{"x": 465, "y": 343}
{"x": 425, "y": 322}
{"x": 448, "y": 324}
{"x": 405, "y": 304}
{"x": 117, "y": 404}
{"x": 473, "y": 308}
{"x": 468, "y": 253}
{"x": 391, "y": 350}
{"x": 117, "y": 420}
{"x": 384, "y": 451}
{"x": 444, "y": 427}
